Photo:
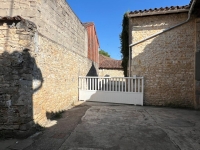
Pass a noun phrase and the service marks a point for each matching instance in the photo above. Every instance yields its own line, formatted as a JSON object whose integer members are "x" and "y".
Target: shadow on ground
{"x": 104, "y": 126}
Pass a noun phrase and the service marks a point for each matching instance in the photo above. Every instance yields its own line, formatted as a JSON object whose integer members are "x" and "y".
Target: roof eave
{"x": 157, "y": 13}
{"x": 87, "y": 24}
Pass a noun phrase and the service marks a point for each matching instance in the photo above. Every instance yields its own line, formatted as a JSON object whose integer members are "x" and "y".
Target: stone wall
{"x": 18, "y": 69}
{"x": 166, "y": 61}
{"x": 197, "y": 63}
{"x": 49, "y": 55}
{"x": 60, "y": 69}
{"x": 53, "y": 18}
{"x": 111, "y": 72}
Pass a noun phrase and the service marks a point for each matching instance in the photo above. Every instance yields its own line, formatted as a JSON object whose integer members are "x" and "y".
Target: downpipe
{"x": 154, "y": 35}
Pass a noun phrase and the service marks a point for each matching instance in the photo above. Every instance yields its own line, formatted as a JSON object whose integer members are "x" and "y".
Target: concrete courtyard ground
{"x": 102, "y": 126}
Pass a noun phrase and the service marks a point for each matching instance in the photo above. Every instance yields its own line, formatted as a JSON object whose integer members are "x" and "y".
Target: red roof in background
{"x": 109, "y": 63}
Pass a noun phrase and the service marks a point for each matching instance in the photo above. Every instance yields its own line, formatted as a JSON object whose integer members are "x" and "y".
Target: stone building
{"x": 43, "y": 50}
{"x": 110, "y": 67}
{"x": 168, "y": 61}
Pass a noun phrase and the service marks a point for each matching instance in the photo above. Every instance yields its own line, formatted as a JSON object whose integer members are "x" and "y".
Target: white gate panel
{"x": 111, "y": 97}
{"x": 126, "y": 90}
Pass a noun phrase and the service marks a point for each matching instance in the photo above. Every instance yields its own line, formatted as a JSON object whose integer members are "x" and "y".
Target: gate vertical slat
{"x": 86, "y": 84}
{"x": 119, "y": 84}
{"x": 128, "y": 84}
{"x": 112, "y": 84}
{"x": 142, "y": 85}
{"x": 122, "y": 85}
{"x": 135, "y": 84}
{"x": 101, "y": 84}
{"x": 106, "y": 82}
{"x": 81, "y": 82}
{"x": 95, "y": 83}
{"x": 90, "y": 84}
{"x": 125, "y": 85}
{"x": 115, "y": 84}
{"x": 138, "y": 85}
{"x": 132, "y": 82}
{"x": 109, "y": 84}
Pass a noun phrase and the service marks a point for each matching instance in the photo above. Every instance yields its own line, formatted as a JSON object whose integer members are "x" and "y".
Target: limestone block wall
{"x": 197, "y": 92}
{"x": 167, "y": 61}
{"x": 53, "y": 18}
{"x": 37, "y": 76}
{"x": 18, "y": 69}
{"x": 60, "y": 70}
{"x": 111, "y": 72}
{"x": 51, "y": 53}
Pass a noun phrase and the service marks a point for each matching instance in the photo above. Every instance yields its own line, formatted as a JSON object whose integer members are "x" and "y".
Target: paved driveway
{"x": 101, "y": 126}
{"x": 125, "y": 127}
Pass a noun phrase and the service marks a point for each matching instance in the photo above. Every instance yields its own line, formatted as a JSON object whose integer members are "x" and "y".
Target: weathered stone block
{"x": 24, "y": 127}
{"x": 9, "y": 127}
{"x": 4, "y": 12}
{"x": 28, "y": 77}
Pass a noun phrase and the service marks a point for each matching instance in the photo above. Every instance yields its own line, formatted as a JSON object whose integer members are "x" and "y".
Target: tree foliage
{"x": 102, "y": 52}
{"x": 124, "y": 39}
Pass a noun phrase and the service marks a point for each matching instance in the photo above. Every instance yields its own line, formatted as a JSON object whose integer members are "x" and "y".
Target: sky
{"x": 107, "y": 16}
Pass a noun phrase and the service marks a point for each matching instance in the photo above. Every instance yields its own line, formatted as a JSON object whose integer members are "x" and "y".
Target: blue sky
{"x": 107, "y": 16}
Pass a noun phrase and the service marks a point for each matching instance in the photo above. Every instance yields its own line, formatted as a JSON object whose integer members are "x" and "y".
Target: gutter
{"x": 154, "y": 35}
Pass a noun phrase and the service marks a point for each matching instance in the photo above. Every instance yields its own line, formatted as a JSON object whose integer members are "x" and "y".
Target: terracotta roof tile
{"x": 109, "y": 63}
{"x": 165, "y": 10}
{"x": 157, "y": 11}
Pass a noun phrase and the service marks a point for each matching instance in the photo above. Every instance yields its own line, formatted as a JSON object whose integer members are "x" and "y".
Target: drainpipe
{"x": 152, "y": 36}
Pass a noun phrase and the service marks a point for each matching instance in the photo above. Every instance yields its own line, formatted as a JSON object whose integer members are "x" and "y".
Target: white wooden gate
{"x": 126, "y": 90}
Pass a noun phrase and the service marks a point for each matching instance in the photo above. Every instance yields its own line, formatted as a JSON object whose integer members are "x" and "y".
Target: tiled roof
{"x": 165, "y": 10}
{"x": 109, "y": 63}
{"x": 191, "y": 2}
{"x": 158, "y": 11}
